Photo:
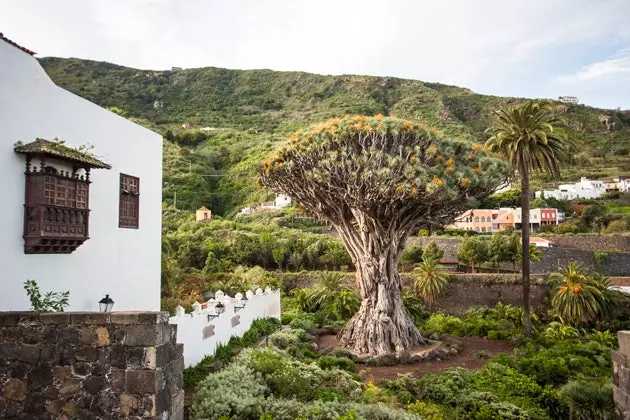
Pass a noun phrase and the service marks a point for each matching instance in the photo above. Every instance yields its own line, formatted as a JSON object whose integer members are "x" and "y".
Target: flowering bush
{"x": 286, "y": 337}
{"x": 269, "y": 384}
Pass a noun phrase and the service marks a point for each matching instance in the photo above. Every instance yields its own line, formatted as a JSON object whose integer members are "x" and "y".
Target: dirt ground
{"x": 467, "y": 359}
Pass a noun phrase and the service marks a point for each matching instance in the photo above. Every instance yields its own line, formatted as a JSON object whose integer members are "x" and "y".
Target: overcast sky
{"x": 537, "y": 48}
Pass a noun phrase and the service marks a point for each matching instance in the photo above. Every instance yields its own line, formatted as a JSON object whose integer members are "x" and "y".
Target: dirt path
{"x": 467, "y": 359}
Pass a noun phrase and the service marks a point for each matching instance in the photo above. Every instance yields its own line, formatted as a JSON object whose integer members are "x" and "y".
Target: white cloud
{"x": 490, "y": 46}
{"x": 616, "y": 67}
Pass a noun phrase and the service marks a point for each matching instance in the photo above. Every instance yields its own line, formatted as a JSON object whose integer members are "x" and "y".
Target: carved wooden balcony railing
{"x": 56, "y": 209}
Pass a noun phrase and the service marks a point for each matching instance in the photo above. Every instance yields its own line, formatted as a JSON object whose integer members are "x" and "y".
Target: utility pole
{"x": 175, "y": 199}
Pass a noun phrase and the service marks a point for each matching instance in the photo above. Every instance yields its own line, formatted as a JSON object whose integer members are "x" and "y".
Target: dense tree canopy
{"x": 376, "y": 179}
{"x": 381, "y": 167}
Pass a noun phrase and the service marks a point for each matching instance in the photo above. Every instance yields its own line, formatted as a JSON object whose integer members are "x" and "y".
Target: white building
{"x": 282, "y": 201}
{"x": 621, "y": 184}
{"x": 586, "y": 188}
{"x": 568, "y": 99}
{"x": 90, "y": 238}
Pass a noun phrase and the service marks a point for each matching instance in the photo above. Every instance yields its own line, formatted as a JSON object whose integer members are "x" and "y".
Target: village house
{"x": 585, "y": 188}
{"x": 498, "y": 220}
{"x": 82, "y": 194}
{"x": 621, "y": 184}
{"x": 203, "y": 214}
{"x": 281, "y": 201}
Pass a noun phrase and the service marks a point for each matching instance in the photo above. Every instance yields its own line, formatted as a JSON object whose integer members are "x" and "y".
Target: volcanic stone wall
{"x": 466, "y": 290}
{"x": 121, "y": 365}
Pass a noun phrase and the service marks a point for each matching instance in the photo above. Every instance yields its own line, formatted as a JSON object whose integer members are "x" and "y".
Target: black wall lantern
{"x": 220, "y": 307}
{"x": 106, "y": 304}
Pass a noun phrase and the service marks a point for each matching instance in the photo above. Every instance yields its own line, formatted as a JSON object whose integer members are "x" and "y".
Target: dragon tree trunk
{"x": 382, "y": 325}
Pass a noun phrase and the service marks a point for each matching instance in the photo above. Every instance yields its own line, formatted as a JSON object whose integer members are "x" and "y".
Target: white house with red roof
{"x": 81, "y": 194}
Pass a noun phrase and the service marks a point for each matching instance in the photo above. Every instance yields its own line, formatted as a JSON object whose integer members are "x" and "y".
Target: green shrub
{"x": 286, "y": 337}
{"x": 233, "y": 391}
{"x": 589, "y": 399}
{"x": 504, "y": 381}
{"x": 444, "y": 324}
{"x": 427, "y": 410}
{"x": 487, "y": 406}
{"x": 286, "y": 319}
{"x": 320, "y": 410}
{"x": 225, "y": 352}
{"x": 545, "y": 367}
{"x": 303, "y": 322}
{"x": 290, "y": 378}
{"x": 343, "y": 363}
{"x": 498, "y": 335}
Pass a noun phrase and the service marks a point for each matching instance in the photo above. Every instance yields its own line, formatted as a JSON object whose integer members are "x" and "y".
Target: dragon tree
{"x": 376, "y": 180}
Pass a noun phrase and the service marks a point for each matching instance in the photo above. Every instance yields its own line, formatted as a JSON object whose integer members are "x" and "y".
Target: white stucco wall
{"x": 124, "y": 263}
{"x": 190, "y": 326}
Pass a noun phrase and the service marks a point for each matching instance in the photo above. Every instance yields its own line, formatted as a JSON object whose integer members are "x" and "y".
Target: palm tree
{"x": 430, "y": 279}
{"x": 531, "y": 138}
{"x": 328, "y": 287}
{"x": 535, "y": 253}
{"x": 576, "y": 296}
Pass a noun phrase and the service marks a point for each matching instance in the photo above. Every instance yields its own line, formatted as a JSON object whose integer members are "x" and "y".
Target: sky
{"x": 538, "y": 48}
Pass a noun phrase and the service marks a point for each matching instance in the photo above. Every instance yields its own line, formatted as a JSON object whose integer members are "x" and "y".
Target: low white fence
{"x": 215, "y": 321}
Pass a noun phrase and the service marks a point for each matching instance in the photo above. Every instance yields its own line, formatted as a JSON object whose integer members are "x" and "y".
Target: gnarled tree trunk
{"x": 382, "y": 325}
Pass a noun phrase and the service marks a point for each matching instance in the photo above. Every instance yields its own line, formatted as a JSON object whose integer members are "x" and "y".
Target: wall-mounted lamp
{"x": 106, "y": 304}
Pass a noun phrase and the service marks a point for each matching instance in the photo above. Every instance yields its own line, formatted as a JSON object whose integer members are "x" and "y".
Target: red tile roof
{"x": 7, "y": 40}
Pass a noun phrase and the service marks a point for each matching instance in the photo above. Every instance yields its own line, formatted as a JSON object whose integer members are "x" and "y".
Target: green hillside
{"x": 247, "y": 114}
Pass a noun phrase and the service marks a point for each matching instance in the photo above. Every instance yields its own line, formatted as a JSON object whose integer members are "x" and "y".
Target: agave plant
{"x": 577, "y": 297}
{"x": 589, "y": 400}
{"x": 430, "y": 279}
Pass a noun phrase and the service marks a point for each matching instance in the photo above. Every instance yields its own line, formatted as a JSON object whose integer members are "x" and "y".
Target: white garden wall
{"x": 201, "y": 335}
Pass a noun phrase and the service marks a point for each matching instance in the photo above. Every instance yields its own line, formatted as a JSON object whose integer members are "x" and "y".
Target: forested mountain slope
{"x": 246, "y": 114}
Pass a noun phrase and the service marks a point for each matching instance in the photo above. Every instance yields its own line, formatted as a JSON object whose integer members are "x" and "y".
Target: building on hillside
{"x": 203, "y": 214}
{"x": 568, "y": 99}
{"x": 621, "y": 184}
{"x": 450, "y": 264}
{"x": 479, "y": 220}
{"x": 281, "y": 201}
{"x": 70, "y": 221}
{"x": 585, "y": 188}
{"x": 498, "y": 220}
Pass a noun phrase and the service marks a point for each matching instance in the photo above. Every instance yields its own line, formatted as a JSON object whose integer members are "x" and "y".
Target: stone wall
{"x": 90, "y": 365}
{"x": 449, "y": 245}
{"x": 466, "y": 290}
{"x": 593, "y": 243}
{"x": 565, "y": 249}
{"x": 616, "y": 264}
{"x": 621, "y": 375}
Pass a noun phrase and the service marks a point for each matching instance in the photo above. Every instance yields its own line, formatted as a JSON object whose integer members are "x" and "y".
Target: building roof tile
{"x": 16, "y": 45}
{"x": 60, "y": 151}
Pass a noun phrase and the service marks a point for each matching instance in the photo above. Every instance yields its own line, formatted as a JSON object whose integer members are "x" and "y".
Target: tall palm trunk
{"x": 527, "y": 322}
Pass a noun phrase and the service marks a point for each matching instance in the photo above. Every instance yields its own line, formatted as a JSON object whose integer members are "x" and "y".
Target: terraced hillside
{"x": 246, "y": 114}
